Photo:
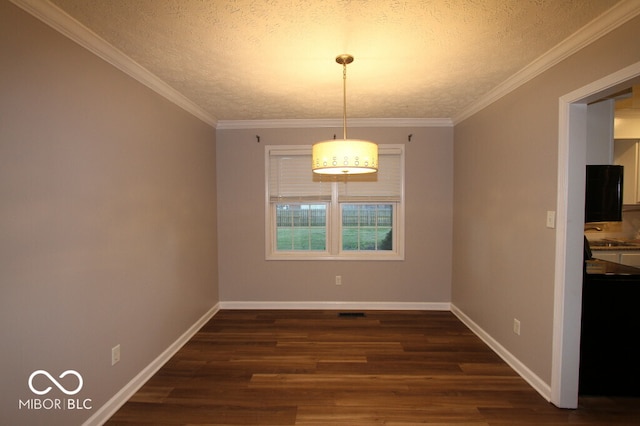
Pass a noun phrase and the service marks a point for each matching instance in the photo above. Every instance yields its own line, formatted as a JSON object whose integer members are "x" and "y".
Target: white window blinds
{"x": 385, "y": 185}
{"x": 291, "y": 179}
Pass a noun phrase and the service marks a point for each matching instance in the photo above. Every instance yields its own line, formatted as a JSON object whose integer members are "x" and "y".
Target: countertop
{"x": 604, "y": 267}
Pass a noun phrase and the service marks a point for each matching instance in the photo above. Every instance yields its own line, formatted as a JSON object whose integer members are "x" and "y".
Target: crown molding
{"x": 317, "y": 123}
{"x": 600, "y": 26}
{"x": 74, "y": 30}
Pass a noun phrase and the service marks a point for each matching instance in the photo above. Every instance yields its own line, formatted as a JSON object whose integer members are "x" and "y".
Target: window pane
{"x": 301, "y": 227}
{"x": 367, "y": 227}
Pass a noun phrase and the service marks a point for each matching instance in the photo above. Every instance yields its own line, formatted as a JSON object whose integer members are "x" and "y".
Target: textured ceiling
{"x": 275, "y": 59}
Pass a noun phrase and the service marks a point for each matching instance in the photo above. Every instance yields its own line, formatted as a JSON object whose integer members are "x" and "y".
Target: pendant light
{"x": 346, "y": 156}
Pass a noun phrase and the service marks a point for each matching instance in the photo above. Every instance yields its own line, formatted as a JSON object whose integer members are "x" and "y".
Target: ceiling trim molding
{"x": 600, "y": 26}
{"x": 316, "y": 123}
{"x": 77, "y": 32}
{"x": 74, "y": 30}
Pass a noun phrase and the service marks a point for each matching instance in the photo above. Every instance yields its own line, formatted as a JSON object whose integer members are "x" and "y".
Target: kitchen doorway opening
{"x": 570, "y": 229}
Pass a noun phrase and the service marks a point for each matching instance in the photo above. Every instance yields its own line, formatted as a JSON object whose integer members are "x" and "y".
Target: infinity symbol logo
{"x": 55, "y": 382}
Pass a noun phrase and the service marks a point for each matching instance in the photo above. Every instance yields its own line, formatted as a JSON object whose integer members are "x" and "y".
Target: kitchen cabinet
{"x": 630, "y": 259}
{"x": 624, "y": 257}
{"x": 626, "y": 152}
{"x": 608, "y": 351}
{"x": 608, "y": 255}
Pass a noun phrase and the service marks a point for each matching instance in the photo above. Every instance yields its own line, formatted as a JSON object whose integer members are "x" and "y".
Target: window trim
{"x": 333, "y": 249}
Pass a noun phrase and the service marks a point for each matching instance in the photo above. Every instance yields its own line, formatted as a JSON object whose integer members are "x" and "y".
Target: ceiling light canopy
{"x": 346, "y": 156}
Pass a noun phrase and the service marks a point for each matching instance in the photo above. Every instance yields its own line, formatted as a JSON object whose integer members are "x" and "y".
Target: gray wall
{"x": 505, "y": 180}
{"x": 107, "y": 220}
{"x": 110, "y": 229}
{"x": 423, "y": 277}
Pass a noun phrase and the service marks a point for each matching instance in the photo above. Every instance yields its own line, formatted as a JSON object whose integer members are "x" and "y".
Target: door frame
{"x": 572, "y": 127}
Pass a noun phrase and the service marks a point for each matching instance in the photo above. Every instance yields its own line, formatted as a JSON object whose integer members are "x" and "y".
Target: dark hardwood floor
{"x": 319, "y": 368}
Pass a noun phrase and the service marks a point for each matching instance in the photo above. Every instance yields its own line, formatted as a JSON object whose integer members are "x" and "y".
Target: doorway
{"x": 570, "y": 230}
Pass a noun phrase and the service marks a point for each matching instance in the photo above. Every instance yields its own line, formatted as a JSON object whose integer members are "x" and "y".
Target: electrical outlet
{"x": 338, "y": 279}
{"x": 115, "y": 354}
{"x": 516, "y": 326}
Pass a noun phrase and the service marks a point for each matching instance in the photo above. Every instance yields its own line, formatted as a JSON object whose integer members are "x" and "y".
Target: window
{"x": 311, "y": 216}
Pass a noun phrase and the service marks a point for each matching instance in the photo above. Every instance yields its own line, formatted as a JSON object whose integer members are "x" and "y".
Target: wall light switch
{"x": 115, "y": 355}
{"x": 551, "y": 219}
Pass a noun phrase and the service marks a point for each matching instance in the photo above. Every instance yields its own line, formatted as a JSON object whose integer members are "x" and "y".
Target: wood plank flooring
{"x": 319, "y": 368}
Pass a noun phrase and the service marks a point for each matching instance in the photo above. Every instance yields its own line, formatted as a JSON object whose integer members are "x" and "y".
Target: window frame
{"x": 394, "y": 222}
{"x": 333, "y": 248}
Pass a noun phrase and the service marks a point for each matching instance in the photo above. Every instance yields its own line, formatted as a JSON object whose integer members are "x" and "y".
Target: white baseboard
{"x": 536, "y": 382}
{"x": 391, "y": 306}
{"x": 105, "y": 412}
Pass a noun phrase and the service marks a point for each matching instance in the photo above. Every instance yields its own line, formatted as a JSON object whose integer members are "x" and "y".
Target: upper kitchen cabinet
{"x": 627, "y": 154}
{"x": 626, "y": 150}
{"x": 627, "y": 115}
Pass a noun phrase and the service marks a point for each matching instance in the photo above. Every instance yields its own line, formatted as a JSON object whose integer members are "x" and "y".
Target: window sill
{"x": 353, "y": 257}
